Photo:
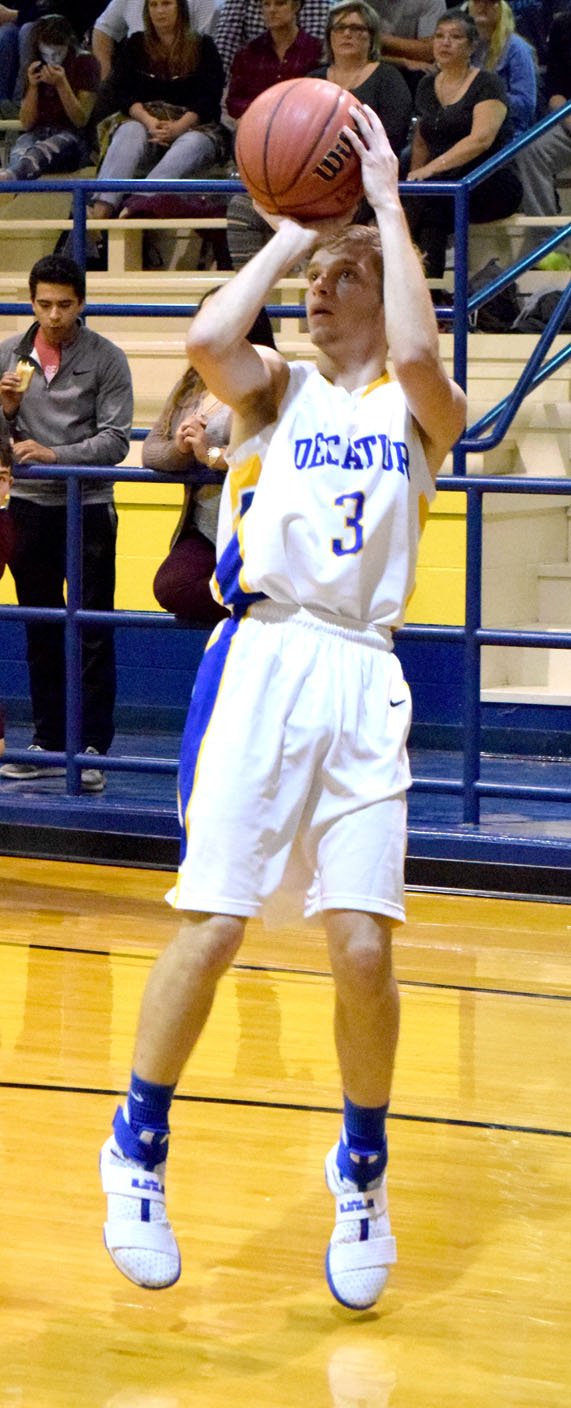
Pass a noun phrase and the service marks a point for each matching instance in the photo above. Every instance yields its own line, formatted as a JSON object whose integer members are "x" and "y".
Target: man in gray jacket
{"x": 67, "y": 397}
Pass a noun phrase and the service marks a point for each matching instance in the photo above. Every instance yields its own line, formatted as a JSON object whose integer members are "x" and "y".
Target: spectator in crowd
{"x": 16, "y": 23}
{"x": 240, "y": 21}
{"x": 354, "y": 58}
{"x": 352, "y": 52}
{"x": 9, "y": 39}
{"x": 500, "y": 50}
{"x": 122, "y": 18}
{"x": 58, "y": 100}
{"x": 540, "y": 163}
{"x": 407, "y": 27}
{"x": 462, "y": 118}
{"x": 6, "y": 526}
{"x": 282, "y": 51}
{"x": 191, "y": 436}
{"x": 170, "y": 87}
{"x": 66, "y": 395}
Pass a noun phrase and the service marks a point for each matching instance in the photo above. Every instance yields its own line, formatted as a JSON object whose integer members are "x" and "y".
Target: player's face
{"x": 343, "y": 297}
{"x": 56, "y": 307}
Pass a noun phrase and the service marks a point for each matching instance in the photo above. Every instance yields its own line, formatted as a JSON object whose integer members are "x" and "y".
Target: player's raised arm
{"x": 237, "y": 373}
{"x": 437, "y": 403}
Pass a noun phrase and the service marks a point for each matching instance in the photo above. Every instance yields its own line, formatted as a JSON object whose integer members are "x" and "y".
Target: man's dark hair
{"x": 6, "y": 451}
{"x": 58, "y": 269}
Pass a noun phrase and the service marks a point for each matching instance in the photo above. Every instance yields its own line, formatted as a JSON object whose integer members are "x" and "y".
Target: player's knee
{"x": 362, "y": 963}
{"x": 212, "y": 943}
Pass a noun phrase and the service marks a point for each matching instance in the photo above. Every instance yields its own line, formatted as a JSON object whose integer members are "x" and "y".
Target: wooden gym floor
{"x": 477, "y": 1310}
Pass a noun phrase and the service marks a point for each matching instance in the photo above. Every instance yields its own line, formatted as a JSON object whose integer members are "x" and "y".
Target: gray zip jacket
{"x": 85, "y": 414}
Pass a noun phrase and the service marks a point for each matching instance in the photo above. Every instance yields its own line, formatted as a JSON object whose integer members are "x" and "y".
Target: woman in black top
{"x": 170, "y": 85}
{"x": 353, "y": 53}
{"x": 462, "y": 120}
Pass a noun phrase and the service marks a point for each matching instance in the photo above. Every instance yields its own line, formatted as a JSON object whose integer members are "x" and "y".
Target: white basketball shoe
{"x": 362, "y": 1248}
{"x": 138, "y": 1234}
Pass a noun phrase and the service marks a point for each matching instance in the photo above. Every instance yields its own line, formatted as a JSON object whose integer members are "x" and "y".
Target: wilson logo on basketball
{"x": 334, "y": 160}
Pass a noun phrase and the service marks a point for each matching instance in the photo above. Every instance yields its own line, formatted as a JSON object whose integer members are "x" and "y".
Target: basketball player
{"x": 294, "y": 754}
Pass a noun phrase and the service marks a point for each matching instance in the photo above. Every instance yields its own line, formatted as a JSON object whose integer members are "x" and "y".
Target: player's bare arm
{"x": 437, "y": 403}
{"x": 251, "y": 380}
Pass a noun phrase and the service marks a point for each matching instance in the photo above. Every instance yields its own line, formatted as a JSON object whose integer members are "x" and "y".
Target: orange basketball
{"x": 291, "y": 153}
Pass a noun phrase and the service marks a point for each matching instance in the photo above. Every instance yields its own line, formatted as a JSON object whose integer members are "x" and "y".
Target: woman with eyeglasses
{"x": 353, "y": 60}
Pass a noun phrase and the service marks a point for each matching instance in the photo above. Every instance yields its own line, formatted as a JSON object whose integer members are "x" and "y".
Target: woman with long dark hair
{"x": 190, "y": 437}
{"x": 170, "y": 85}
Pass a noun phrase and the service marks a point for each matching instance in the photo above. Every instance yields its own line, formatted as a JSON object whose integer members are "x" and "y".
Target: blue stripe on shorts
{"x": 200, "y": 711}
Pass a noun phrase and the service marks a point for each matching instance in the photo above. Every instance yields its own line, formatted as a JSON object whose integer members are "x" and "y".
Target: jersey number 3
{"x": 353, "y": 524}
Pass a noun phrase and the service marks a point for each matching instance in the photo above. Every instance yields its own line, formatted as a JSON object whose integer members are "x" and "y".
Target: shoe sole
{"x": 30, "y": 776}
{"x": 335, "y": 1293}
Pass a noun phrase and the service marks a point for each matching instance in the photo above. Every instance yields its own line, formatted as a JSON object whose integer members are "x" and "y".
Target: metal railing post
{"x": 79, "y": 234}
{"x": 460, "y": 326}
{"x": 73, "y": 640}
{"x": 472, "y": 670}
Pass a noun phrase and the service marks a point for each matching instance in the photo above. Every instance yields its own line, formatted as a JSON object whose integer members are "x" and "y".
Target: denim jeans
{"x": 43, "y": 149}
{"x": 131, "y": 153}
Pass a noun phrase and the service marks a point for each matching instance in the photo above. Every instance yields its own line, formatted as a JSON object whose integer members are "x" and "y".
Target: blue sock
{"x": 362, "y": 1155}
{"x": 142, "y": 1127}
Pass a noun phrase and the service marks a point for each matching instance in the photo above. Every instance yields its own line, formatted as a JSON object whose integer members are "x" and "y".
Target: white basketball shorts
{"x": 294, "y": 768}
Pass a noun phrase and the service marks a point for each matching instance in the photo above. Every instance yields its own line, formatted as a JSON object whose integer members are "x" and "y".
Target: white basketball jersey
{"x": 341, "y": 495}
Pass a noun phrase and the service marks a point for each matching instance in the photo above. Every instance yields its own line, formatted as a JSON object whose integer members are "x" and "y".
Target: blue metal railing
{"x": 473, "y": 635}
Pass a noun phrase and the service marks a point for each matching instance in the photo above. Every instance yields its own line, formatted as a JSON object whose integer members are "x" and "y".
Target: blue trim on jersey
{"x": 227, "y": 578}
{"x": 200, "y": 711}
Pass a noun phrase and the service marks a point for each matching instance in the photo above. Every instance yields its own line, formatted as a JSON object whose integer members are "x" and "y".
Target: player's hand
{"x": 379, "y": 164}
{"x": 11, "y": 392}
{"x": 305, "y": 236}
{"x": 31, "y": 452}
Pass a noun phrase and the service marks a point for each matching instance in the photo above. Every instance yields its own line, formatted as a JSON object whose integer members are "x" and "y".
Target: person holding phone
{"x": 59, "y": 97}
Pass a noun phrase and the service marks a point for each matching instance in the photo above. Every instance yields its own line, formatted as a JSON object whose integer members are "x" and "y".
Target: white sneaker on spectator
{"x": 26, "y": 772}
{"x": 92, "y": 779}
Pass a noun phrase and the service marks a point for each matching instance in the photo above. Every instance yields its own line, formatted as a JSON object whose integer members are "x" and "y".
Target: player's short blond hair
{"x": 357, "y": 241}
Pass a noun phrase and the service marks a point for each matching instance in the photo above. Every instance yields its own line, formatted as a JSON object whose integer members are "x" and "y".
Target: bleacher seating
{"x": 528, "y": 560}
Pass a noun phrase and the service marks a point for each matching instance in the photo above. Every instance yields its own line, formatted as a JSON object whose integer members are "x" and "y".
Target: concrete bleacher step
{"x": 527, "y": 694}
{"x": 554, "y": 593}
{"x": 532, "y": 675}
